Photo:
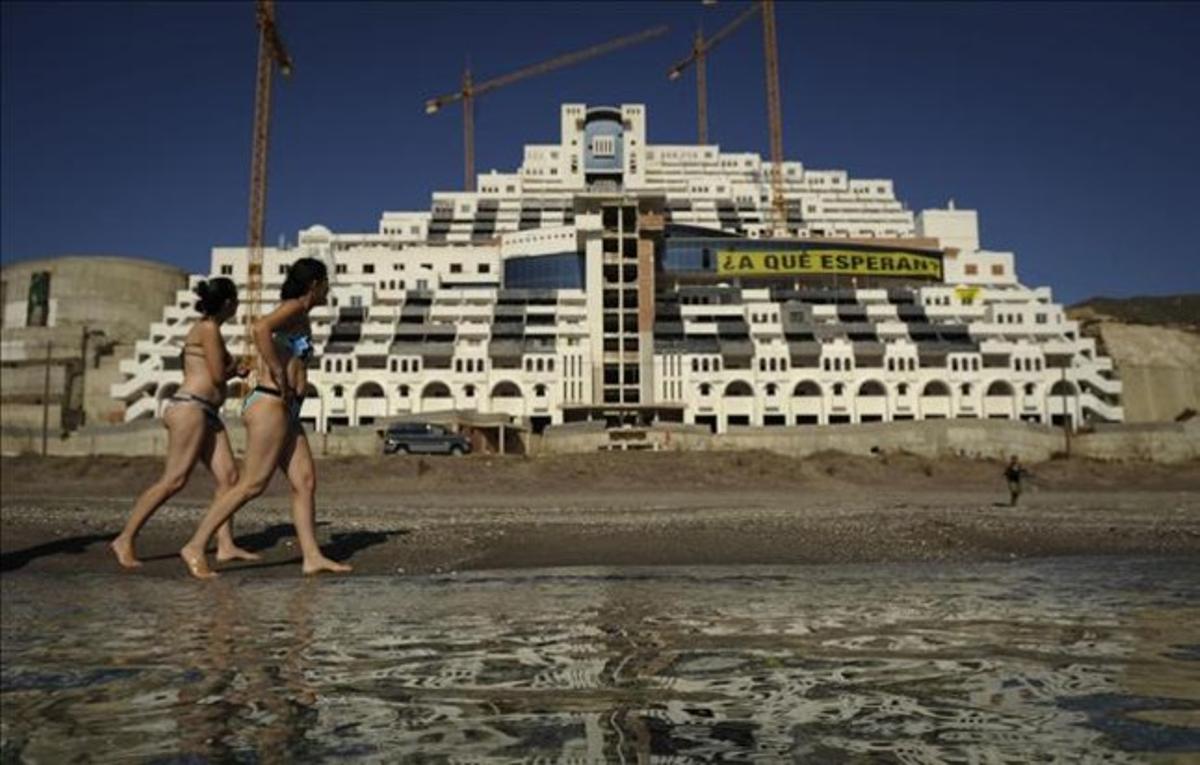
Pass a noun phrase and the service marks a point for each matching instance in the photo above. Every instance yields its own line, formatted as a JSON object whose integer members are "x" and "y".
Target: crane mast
{"x": 774, "y": 118}
{"x": 271, "y": 53}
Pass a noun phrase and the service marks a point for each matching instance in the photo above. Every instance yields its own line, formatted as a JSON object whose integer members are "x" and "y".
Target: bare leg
{"x": 185, "y": 437}
{"x": 266, "y": 434}
{"x": 297, "y": 462}
{"x": 218, "y": 457}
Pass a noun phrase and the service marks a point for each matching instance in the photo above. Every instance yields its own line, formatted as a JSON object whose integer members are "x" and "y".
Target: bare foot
{"x": 225, "y": 554}
{"x": 197, "y": 564}
{"x": 325, "y": 564}
{"x": 123, "y": 549}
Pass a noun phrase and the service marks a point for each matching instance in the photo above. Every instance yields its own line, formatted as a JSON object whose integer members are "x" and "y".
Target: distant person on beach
{"x": 274, "y": 435}
{"x": 1014, "y": 474}
{"x": 193, "y": 421}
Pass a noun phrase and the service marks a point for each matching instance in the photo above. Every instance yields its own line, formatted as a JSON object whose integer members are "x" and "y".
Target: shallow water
{"x": 1068, "y": 660}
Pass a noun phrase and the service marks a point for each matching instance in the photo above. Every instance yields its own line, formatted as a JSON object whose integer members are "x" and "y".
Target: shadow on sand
{"x": 341, "y": 546}
{"x": 11, "y": 561}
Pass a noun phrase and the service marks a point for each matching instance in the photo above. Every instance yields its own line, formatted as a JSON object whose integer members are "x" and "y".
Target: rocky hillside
{"x": 1165, "y": 310}
{"x": 1155, "y": 344}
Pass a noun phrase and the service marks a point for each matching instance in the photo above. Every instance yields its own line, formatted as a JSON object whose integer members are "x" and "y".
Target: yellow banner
{"x": 966, "y": 295}
{"x": 852, "y": 262}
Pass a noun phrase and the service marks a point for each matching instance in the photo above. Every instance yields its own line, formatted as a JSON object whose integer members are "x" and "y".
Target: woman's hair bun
{"x": 214, "y": 294}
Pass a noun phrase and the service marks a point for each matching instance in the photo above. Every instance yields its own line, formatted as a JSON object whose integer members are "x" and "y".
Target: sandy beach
{"x": 427, "y": 514}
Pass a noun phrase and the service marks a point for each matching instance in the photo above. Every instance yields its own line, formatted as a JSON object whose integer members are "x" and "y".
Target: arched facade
{"x": 935, "y": 400}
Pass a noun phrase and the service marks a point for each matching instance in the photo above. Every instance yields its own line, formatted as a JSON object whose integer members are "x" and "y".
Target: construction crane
{"x": 774, "y": 117}
{"x": 271, "y": 54}
{"x": 700, "y": 50}
{"x": 471, "y": 91}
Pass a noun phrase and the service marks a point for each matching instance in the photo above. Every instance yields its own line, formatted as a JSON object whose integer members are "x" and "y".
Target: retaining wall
{"x": 994, "y": 439}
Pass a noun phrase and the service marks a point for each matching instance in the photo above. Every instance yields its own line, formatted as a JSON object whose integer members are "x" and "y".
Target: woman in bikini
{"x": 193, "y": 422}
{"x": 274, "y": 435}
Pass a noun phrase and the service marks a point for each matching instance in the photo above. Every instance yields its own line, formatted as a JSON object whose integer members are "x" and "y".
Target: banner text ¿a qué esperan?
{"x": 829, "y": 261}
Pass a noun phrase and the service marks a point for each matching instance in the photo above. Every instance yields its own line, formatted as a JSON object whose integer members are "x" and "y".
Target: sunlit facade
{"x": 612, "y": 279}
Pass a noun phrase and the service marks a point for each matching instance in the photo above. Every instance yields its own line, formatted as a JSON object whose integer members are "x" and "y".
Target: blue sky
{"x": 1073, "y": 128}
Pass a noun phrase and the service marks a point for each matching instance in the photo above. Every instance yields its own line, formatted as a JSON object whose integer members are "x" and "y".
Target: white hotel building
{"x": 589, "y": 285}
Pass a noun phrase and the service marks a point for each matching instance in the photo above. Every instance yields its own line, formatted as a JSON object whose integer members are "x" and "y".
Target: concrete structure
{"x": 1163, "y": 443}
{"x": 615, "y": 280}
{"x": 86, "y": 313}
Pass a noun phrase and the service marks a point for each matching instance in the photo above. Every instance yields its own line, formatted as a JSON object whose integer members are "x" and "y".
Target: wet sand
{"x": 428, "y": 514}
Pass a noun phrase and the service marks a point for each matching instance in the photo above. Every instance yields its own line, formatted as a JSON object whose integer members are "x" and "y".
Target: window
{"x": 705, "y": 389}
{"x": 838, "y": 389}
{"x": 997, "y": 269}
{"x": 283, "y": 269}
{"x": 226, "y": 270}
{"x": 966, "y": 389}
{"x": 403, "y": 391}
{"x": 485, "y": 268}
{"x": 340, "y": 268}
{"x": 539, "y": 391}
{"x": 1029, "y": 389}
{"x": 456, "y": 268}
{"x": 469, "y": 391}
{"x": 338, "y": 391}
{"x": 604, "y": 146}
{"x": 368, "y": 268}
{"x": 971, "y": 269}
{"x": 902, "y": 389}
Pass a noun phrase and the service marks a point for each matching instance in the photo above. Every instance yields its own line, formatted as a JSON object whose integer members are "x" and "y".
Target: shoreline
{"x": 418, "y": 516}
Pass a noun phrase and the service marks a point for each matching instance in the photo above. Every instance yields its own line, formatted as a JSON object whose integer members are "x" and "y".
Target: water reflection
{"x": 830, "y": 664}
{"x": 248, "y": 693}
